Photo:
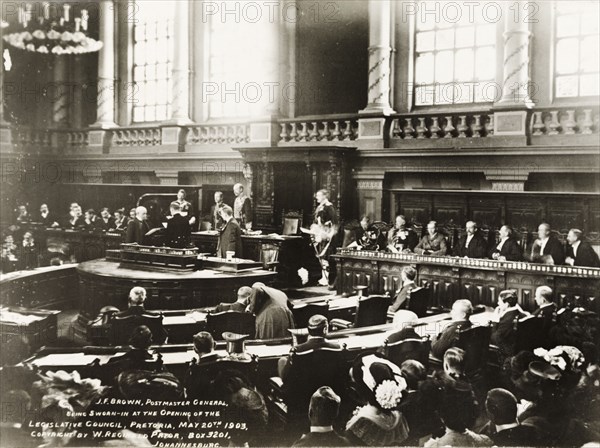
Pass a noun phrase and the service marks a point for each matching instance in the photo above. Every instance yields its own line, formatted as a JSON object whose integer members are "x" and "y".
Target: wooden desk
{"x": 47, "y": 287}
{"x": 294, "y": 252}
{"x": 176, "y": 357}
{"x": 453, "y": 278}
{"x": 103, "y": 283}
{"x": 36, "y": 327}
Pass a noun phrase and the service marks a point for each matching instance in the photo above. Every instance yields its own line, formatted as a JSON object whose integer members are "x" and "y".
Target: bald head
{"x": 461, "y": 310}
{"x": 141, "y": 213}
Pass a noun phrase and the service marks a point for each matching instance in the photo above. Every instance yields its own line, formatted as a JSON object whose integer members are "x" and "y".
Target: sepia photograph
{"x": 299, "y": 223}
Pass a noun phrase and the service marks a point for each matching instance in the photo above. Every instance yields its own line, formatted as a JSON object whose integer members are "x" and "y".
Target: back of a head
{"x": 454, "y": 361}
{"x": 501, "y": 406}
{"x": 509, "y": 297}
{"x": 324, "y": 407}
{"x": 141, "y": 337}
{"x": 545, "y": 292}
{"x": 227, "y": 211}
{"x": 175, "y": 207}
{"x": 414, "y": 372}
{"x": 203, "y": 342}
{"x": 404, "y": 318}
{"x": 458, "y": 409}
{"x": 137, "y": 296}
{"x": 317, "y": 325}
{"x": 464, "y": 306}
{"x": 409, "y": 272}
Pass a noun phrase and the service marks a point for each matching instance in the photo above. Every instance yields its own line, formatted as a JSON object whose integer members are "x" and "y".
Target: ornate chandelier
{"x": 58, "y": 34}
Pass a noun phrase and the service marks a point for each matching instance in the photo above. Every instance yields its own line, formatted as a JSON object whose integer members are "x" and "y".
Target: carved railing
{"x": 441, "y": 125}
{"x": 31, "y": 137}
{"x": 565, "y": 121}
{"x": 77, "y": 138}
{"x": 319, "y": 129}
{"x": 136, "y": 136}
{"x": 218, "y": 134}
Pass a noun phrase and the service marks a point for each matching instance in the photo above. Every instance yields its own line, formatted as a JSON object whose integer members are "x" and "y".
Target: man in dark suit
{"x": 138, "y": 227}
{"x": 178, "y": 232}
{"x": 547, "y": 249}
{"x": 503, "y": 332}
{"x": 546, "y": 307}
{"x": 199, "y": 381}
{"x": 135, "y": 304}
{"x": 243, "y": 298}
{"x": 317, "y": 332}
{"x": 322, "y": 412}
{"x": 507, "y": 249}
{"x": 504, "y": 429}
{"x": 400, "y": 238}
{"x": 472, "y": 244}
{"x": 230, "y": 238}
{"x": 404, "y": 326}
{"x": 580, "y": 253}
{"x": 47, "y": 218}
{"x": 120, "y": 221}
{"x": 215, "y": 211}
{"x": 105, "y": 223}
{"x": 460, "y": 313}
{"x": 408, "y": 276}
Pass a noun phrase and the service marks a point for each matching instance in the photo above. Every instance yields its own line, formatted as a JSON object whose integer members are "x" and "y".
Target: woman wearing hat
{"x": 273, "y": 317}
{"x": 381, "y": 384}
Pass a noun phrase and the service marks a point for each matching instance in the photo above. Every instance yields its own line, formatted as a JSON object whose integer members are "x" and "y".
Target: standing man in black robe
{"x": 230, "y": 238}
{"x": 178, "y": 233}
{"x": 138, "y": 227}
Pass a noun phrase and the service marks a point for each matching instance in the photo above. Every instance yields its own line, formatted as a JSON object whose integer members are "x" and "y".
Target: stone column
{"x": 180, "y": 114}
{"x": 515, "y": 82}
{"x": 380, "y": 51}
{"x": 5, "y": 133}
{"x": 106, "y": 67}
{"x": 60, "y": 104}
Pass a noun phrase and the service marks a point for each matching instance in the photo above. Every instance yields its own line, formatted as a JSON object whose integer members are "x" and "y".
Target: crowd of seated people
{"x": 546, "y": 248}
{"x": 548, "y": 396}
{"x": 20, "y": 250}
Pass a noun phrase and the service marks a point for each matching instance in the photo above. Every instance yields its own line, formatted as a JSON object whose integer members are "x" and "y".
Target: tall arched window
{"x": 238, "y": 66}
{"x": 455, "y": 61}
{"x": 152, "y": 60}
{"x": 577, "y": 64}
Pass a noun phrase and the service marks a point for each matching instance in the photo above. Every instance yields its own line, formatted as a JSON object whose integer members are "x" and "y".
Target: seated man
{"x": 472, "y": 244}
{"x": 408, "y": 276}
{"x": 199, "y": 383}
{"x": 120, "y": 221}
{"x": 547, "y": 249}
{"x": 318, "y": 327}
{"x": 507, "y": 249}
{"x": 178, "y": 233}
{"x": 140, "y": 341}
{"x": 505, "y": 430}
{"x": 460, "y": 313}
{"x": 91, "y": 220}
{"x": 105, "y": 223}
{"x": 365, "y": 236}
{"x": 46, "y": 218}
{"x": 503, "y": 331}
{"x": 322, "y": 412}
{"x": 243, "y": 299}
{"x": 400, "y": 238}
{"x": 580, "y": 253}
{"x": 404, "y": 327}
{"x": 137, "y": 297}
{"x": 433, "y": 243}
{"x": 547, "y": 309}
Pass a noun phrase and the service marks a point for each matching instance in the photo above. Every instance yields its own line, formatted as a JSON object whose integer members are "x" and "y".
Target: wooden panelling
{"x": 492, "y": 210}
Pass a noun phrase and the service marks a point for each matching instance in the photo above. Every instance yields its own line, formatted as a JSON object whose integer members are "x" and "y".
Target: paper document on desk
{"x": 18, "y": 318}
{"x": 198, "y": 316}
{"x": 153, "y": 231}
